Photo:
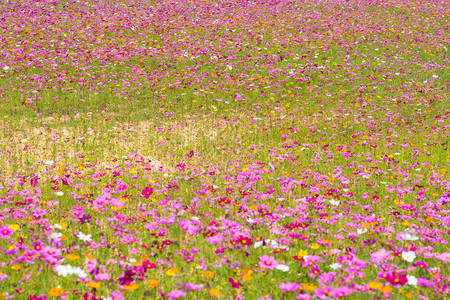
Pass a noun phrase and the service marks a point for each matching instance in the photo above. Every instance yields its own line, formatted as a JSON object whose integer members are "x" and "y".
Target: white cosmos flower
{"x": 409, "y": 237}
{"x": 409, "y": 256}
{"x": 24, "y": 140}
{"x": 49, "y": 162}
{"x": 80, "y": 273}
{"x": 63, "y": 270}
{"x": 361, "y": 231}
{"x": 55, "y": 236}
{"x": 335, "y": 202}
{"x": 412, "y": 280}
{"x": 283, "y": 268}
{"x": 59, "y": 193}
{"x": 272, "y": 243}
{"x": 257, "y": 244}
{"x": 335, "y": 266}
{"x": 6, "y": 68}
{"x": 84, "y": 237}
{"x": 57, "y": 226}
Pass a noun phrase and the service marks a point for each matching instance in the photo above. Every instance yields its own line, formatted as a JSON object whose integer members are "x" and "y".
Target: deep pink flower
{"x": 147, "y": 192}
{"x": 396, "y": 279}
{"x": 234, "y": 284}
{"x": 148, "y": 265}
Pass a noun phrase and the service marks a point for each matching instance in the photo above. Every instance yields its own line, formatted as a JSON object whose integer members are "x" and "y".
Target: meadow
{"x": 264, "y": 149}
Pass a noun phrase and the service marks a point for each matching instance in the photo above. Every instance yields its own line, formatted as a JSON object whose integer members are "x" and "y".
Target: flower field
{"x": 264, "y": 149}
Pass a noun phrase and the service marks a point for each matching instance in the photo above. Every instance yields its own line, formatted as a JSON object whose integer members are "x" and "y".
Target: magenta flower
{"x": 268, "y": 262}
{"x": 446, "y": 221}
{"x": 341, "y": 292}
{"x": 147, "y": 192}
{"x": 148, "y": 265}
{"x": 421, "y": 264}
{"x": 34, "y": 297}
{"x": 327, "y": 278}
{"x": 192, "y": 286}
{"x": 5, "y": 232}
{"x": 91, "y": 266}
{"x": 176, "y": 294}
{"x": 289, "y": 286}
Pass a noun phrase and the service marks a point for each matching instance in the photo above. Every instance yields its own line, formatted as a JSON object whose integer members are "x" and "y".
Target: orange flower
{"x": 309, "y": 287}
{"x": 55, "y": 292}
{"x": 72, "y": 257}
{"x": 154, "y": 283}
{"x": 95, "y": 285}
{"x": 209, "y": 274}
{"x": 375, "y": 285}
{"x": 386, "y": 289}
{"x": 63, "y": 225}
{"x": 214, "y": 292}
{"x": 172, "y": 272}
{"x": 247, "y": 277}
{"x": 15, "y": 267}
{"x": 130, "y": 287}
{"x": 409, "y": 295}
{"x": 90, "y": 256}
{"x": 64, "y": 238}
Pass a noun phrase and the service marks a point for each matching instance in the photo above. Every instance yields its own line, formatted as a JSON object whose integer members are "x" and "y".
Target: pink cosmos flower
{"x": 192, "y": 286}
{"x": 121, "y": 186}
{"x": 176, "y": 294}
{"x": 117, "y": 295}
{"x": 341, "y": 292}
{"x": 446, "y": 221}
{"x": 268, "y": 262}
{"x": 289, "y": 286}
{"x": 380, "y": 256}
{"x": 102, "y": 277}
{"x": 5, "y": 232}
